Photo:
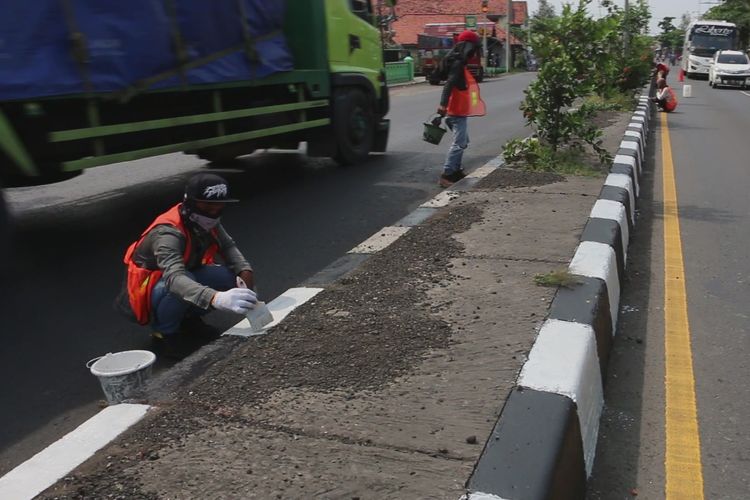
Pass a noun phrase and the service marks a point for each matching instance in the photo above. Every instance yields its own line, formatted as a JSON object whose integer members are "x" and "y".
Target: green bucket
{"x": 433, "y": 133}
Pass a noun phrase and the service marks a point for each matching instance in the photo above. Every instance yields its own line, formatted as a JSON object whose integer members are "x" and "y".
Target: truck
{"x": 91, "y": 83}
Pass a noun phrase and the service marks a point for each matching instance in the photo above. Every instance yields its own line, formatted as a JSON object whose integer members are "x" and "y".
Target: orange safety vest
{"x": 671, "y": 100}
{"x": 141, "y": 281}
{"x": 466, "y": 102}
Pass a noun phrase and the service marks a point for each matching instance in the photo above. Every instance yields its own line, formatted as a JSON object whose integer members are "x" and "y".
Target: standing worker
{"x": 172, "y": 279}
{"x": 460, "y": 99}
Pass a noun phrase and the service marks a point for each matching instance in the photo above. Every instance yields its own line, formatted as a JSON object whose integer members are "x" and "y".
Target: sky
{"x": 659, "y": 8}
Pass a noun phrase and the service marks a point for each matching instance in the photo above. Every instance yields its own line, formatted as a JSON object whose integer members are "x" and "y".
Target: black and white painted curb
{"x": 544, "y": 441}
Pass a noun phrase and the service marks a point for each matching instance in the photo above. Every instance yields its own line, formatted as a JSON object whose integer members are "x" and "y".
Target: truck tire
{"x": 353, "y": 125}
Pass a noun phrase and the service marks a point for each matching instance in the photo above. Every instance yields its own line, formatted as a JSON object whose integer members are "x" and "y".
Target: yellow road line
{"x": 682, "y": 459}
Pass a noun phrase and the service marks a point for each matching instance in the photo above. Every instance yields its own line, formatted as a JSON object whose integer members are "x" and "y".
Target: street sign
{"x": 470, "y": 22}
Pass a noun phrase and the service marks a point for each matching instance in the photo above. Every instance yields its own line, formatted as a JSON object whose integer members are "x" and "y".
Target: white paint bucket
{"x": 122, "y": 373}
{"x": 687, "y": 91}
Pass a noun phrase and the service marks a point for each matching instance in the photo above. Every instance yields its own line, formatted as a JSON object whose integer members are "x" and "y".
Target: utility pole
{"x": 508, "y": 13}
{"x": 485, "y": 8}
{"x": 626, "y": 32}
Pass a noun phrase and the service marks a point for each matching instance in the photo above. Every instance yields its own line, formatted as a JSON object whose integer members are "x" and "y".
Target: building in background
{"x": 426, "y": 17}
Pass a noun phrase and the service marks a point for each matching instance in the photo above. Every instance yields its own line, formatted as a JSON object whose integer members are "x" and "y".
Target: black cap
{"x": 208, "y": 187}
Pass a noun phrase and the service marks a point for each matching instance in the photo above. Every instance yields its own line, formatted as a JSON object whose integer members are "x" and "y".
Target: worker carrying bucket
{"x": 459, "y": 100}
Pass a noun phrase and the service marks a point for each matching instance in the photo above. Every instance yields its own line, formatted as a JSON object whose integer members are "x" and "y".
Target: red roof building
{"x": 414, "y": 14}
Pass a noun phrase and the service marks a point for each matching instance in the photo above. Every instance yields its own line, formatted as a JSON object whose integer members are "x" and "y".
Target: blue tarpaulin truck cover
{"x": 62, "y": 47}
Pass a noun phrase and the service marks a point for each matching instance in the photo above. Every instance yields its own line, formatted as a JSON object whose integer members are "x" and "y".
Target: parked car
{"x": 730, "y": 68}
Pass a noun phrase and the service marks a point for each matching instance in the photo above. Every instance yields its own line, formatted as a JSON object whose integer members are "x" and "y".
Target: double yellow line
{"x": 682, "y": 460}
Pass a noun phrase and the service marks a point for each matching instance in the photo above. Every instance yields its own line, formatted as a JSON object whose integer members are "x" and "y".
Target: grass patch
{"x": 532, "y": 155}
{"x": 561, "y": 277}
{"x": 617, "y": 102}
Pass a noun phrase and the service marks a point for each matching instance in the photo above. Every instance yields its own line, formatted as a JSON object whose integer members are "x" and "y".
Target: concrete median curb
{"x": 544, "y": 442}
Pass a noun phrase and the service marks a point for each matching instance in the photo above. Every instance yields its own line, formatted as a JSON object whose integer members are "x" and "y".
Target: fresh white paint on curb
{"x": 629, "y": 160}
{"x": 483, "y": 171}
{"x": 641, "y": 130}
{"x": 640, "y": 113}
{"x": 563, "y": 360}
{"x": 442, "y": 199}
{"x": 626, "y": 144}
{"x": 632, "y": 134}
{"x": 481, "y": 496}
{"x": 597, "y": 260}
{"x": 640, "y": 119}
{"x": 51, "y": 464}
{"x": 625, "y": 182}
{"x": 613, "y": 210}
{"x": 380, "y": 240}
{"x": 280, "y": 308}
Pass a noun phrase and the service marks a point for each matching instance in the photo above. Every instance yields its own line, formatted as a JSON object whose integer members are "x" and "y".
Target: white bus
{"x": 702, "y": 40}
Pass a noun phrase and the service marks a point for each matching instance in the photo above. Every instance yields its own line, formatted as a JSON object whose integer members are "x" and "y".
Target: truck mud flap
{"x": 380, "y": 144}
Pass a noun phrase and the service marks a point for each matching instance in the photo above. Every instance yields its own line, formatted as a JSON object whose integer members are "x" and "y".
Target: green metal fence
{"x": 400, "y": 72}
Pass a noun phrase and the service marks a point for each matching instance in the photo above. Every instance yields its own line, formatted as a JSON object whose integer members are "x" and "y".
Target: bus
{"x": 702, "y": 40}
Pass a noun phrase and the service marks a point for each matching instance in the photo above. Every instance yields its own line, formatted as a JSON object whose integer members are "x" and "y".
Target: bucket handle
{"x": 91, "y": 362}
{"x": 433, "y": 119}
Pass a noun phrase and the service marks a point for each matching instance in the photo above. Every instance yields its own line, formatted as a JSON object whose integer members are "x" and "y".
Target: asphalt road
{"x": 711, "y": 152}
{"x": 297, "y": 215}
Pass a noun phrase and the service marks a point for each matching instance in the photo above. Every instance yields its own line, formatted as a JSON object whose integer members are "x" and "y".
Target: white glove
{"x": 236, "y": 300}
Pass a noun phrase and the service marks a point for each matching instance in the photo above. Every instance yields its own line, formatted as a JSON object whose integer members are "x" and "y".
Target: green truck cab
{"x": 335, "y": 99}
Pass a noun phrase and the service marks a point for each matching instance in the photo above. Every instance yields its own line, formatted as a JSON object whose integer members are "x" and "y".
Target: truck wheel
{"x": 353, "y": 125}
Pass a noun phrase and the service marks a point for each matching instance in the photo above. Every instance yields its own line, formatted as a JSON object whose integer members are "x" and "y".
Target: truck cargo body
{"x": 120, "y": 81}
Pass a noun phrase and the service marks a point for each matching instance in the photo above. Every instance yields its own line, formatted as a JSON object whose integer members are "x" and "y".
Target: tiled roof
{"x": 414, "y": 14}
{"x": 462, "y": 7}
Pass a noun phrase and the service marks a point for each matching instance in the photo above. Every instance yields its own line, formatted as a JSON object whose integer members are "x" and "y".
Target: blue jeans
{"x": 458, "y": 125}
{"x": 169, "y": 310}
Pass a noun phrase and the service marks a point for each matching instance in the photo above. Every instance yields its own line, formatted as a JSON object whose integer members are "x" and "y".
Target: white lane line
{"x": 380, "y": 240}
{"x": 485, "y": 170}
{"x": 442, "y": 199}
{"x": 280, "y": 308}
{"x": 55, "y": 461}
{"x": 742, "y": 91}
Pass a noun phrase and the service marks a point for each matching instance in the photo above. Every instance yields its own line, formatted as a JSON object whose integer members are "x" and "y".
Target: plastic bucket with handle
{"x": 433, "y": 133}
{"x": 122, "y": 373}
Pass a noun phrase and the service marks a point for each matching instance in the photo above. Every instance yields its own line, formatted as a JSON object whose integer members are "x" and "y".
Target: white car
{"x": 731, "y": 68}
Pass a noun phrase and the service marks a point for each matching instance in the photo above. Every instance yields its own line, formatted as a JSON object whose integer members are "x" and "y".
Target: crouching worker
{"x": 172, "y": 277}
{"x": 665, "y": 96}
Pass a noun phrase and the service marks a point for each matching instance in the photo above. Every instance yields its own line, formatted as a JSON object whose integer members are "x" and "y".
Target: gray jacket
{"x": 163, "y": 248}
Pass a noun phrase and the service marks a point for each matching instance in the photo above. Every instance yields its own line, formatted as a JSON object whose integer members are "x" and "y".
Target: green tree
{"x": 567, "y": 46}
{"x": 735, "y": 11}
{"x": 545, "y": 11}
{"x": 580, "y": 56}
{"x": 670, "y": 36}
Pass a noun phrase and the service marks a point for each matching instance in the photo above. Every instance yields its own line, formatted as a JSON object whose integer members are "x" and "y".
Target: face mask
{"x": 207, "y": 223}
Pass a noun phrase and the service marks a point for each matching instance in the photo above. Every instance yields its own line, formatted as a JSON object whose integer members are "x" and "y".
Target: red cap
{"x": 469, "y": 36}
